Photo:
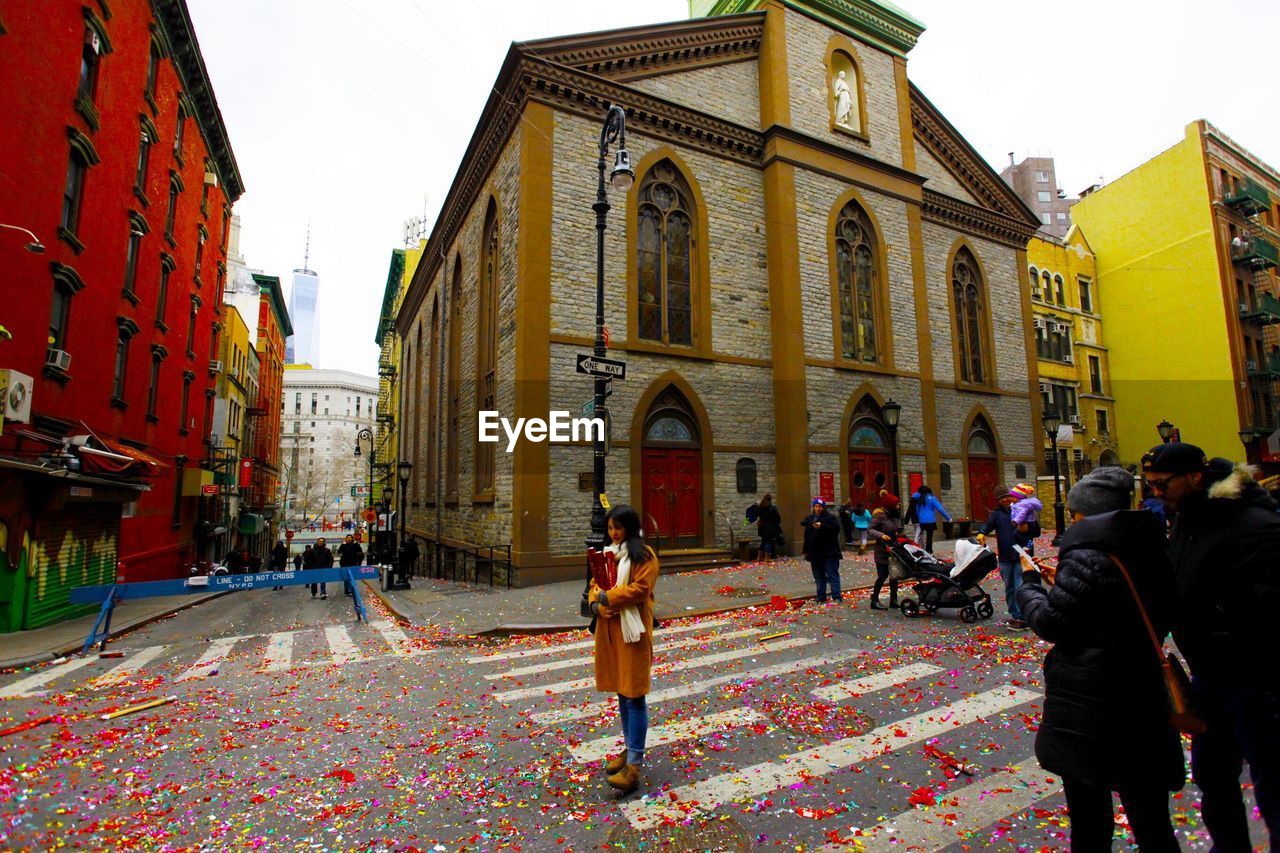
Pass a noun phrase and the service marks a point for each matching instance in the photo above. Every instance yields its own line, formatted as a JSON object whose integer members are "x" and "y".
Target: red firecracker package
{"x": 604, "y": 568}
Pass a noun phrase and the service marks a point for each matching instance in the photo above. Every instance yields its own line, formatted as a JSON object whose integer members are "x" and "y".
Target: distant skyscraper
{"x": 304, "y": 346}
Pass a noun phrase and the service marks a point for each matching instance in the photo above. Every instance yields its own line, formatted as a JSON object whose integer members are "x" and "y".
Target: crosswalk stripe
{"x": 208, "y": 661}
{"x": 397, "y": 639}
{"x": 871, "y": 683}
{"x": 279, "y": 652}
{"x": 595, "y": 709}
{"x": 768, "y": 776}
{"x": 586, "y": 660}
{"x": 670, "y": 733}
{"x": 973, "y": 807}
{"x": 585, "y": 644}
{"x": 24, "y": 686}
{"x": 344, "y": 650}
{"x": 691, "y": 663}
{"x": 125, "y": 671}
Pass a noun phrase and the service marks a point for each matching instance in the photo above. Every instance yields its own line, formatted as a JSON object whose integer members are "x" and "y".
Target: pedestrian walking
{"x": 882, "y": 530}
{"x": 1000, "y": 522}
{"x": 297, "y": 561}
{"x": 279, "y": 559}
{"x": 822, "y": 550}
{"x": 846, "y": 523}
{"x": 321, "y": 558}
{"x": 912, "y": 517}
{"x": 861, "y": 523}
{"x": 349, "y": 554}
{"x": 927, "y": 509}
{"x": 1223, "y": 547}
{"x": 624, "y": 640}
{"x": 769, "y": 525}
{"x": 1102, "y": 650}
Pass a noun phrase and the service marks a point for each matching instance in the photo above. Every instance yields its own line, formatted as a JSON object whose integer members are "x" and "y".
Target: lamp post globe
{"x": 892, "y": 412}
{"x": 1165, "y": 429}
{"x": 1052, "y": 421}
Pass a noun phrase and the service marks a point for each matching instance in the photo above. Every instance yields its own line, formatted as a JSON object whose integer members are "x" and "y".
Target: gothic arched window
{"x": 665, "y": 230}
{"x": 856, "y": 265}
{"x": 454, "y": 387}
{"x": 968, "y": 302}
{"x": 487, "y": 346}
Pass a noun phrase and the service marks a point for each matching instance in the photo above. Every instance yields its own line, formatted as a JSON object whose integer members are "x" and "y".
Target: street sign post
{"x": 359, "y": 491}
{"x": 609, "y": 368}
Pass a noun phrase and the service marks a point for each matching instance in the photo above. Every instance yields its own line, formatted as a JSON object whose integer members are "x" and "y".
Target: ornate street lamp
{"x": 366, "y": 433}
{"x": 891, "y": 412}
{"x": 621, "y": 178}
{"x": 1166, "y": 431}
{"x": 1052, "y": 420}
{"x": 404, "y": 469}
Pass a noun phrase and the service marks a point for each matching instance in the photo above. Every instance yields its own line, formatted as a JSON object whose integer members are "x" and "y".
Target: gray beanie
{"x": 1101, "y": 490}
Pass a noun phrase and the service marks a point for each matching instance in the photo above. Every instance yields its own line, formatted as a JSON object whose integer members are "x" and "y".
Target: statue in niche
{"x": 844, "y": 103}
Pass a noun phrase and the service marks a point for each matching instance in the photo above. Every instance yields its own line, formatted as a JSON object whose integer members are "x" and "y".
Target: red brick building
{"x": 273, "y": 328}
{"x": 118, "y": 162}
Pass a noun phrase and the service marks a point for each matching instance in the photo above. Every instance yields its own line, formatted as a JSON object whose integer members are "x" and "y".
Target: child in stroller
{"x": 943, "y": 584}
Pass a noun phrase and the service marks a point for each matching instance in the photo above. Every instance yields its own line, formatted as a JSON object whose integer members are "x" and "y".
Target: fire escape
{"x": 1255, "y": 250}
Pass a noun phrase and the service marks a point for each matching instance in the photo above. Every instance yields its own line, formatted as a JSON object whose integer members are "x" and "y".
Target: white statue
{"x": 844, "y": 104}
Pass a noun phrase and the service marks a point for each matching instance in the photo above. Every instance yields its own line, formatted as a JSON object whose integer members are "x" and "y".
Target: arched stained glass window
{"x": 856, "y": 265}
{"x": 967, "y": 297}
{"x": 665, "y": 240}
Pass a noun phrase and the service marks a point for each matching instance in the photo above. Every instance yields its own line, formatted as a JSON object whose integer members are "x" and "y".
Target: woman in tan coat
{"x": 624, "y": 640}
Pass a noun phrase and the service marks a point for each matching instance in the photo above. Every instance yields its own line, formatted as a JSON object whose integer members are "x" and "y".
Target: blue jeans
{"x": 1012, "y": 574}
{"x": 826, "y": 572}
{"x": 1242, "y": 724}
{"x": 635, "y": 725}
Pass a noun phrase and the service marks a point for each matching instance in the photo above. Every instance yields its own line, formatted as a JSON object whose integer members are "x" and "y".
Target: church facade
{"x": 807, "y": 239}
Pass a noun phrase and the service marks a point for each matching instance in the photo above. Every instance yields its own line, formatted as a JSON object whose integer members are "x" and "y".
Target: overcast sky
{"x": 353, "y": 117}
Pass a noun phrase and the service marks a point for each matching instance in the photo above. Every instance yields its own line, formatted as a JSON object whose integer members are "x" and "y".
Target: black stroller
{"x": 941, "y": 584}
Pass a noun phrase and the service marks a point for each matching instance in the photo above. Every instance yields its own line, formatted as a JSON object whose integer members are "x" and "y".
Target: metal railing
{"x": 444, "y": 562}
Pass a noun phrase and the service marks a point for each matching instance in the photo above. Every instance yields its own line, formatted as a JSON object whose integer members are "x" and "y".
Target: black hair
{"x": 628, "y": 519}
{"x": 924, "y": 491}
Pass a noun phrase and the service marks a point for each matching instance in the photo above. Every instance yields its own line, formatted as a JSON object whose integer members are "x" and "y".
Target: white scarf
{"x": 632, "y": 624}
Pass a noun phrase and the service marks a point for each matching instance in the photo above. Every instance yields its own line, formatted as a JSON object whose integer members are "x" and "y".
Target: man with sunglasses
{"x": 1225, "y": 551}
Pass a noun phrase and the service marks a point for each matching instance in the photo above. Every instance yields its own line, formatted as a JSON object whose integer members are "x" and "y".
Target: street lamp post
{"x": 35, "y": 247}
{"x": 892, "y": 412}
{"x": 621, "y": 178}
{"x": 1165, "y": 429}
{"x": 1052, "y": 420}
{"x": 365, "y": 432}
{"x": 403, "y": 469}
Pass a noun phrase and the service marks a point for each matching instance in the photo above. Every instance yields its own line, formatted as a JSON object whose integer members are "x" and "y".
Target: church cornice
{"x": 863, "y": 19}
{"x": 945, "y": 143}
{"x": 639, "y": 52}
{"x": 961, "y": 215}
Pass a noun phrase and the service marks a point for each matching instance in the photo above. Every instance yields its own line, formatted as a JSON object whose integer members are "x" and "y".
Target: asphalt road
{"x": 295, "y": 727}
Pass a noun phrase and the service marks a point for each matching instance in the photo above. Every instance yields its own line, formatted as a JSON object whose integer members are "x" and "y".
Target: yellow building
{"x": 234, "y": 393}
{"x": 1073, "y": 362}
{"x": 399, "y": 274}
{"x": 1186, "y": 252}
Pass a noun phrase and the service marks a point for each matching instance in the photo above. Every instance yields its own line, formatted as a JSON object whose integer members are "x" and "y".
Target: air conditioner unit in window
{"x": 15, "y": 389}
{"x": 1066, "y": 359}
{"x": 1044, "y": 387}
{"x": 1038, "y": 323}
{"x": 1074, "y": 420}
{"x": 60, "y": 359}
{"x": 215, "y": 366}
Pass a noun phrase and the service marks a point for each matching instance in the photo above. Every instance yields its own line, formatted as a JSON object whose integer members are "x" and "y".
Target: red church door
{"x": 672, "y": 508}
{"x": 868, "y": 474}
{"x": 982, "y": 488}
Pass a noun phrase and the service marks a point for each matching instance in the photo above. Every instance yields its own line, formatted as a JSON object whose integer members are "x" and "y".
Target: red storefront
{"x": 117, "y": 160}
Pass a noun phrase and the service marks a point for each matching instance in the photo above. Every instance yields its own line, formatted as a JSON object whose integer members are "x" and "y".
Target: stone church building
{"x": 807, "y": 238}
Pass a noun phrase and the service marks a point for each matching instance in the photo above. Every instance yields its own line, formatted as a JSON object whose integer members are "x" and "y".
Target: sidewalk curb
{"x": 118, "y": 631}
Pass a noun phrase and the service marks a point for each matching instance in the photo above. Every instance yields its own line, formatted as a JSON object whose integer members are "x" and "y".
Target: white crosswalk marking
{"x": 344, "y": 651}
{"x": 968, "y": 810}
{"x": 279, "y": 655}
{"x": 585, "y": 644}
{"x": 595, "y": 709}
{"x": 871, "y": 683}
{"x": 217, "y": 651}
{"x": 25, "y": 686}
{"x": 397, "y": 639}
{"x": 691, "y": 663}
{"x": 134, "y": 662}
{"x": 822, "y": 760}
{"x": 670, "y": 733}
{"x": 586, "y": 660}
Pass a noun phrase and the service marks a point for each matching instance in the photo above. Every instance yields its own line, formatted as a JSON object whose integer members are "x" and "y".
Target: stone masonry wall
{"x": 730, "y": 92}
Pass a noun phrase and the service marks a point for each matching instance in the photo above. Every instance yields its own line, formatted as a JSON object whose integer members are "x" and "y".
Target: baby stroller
{"x": 941, "y": 584}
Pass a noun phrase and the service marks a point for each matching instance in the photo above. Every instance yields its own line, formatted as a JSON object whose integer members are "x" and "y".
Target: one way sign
{"x": 596, "y": 366}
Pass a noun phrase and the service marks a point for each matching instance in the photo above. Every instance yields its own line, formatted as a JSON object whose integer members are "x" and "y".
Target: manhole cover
{"x": 703, "y": 833}
{"x": 742, "y": 591}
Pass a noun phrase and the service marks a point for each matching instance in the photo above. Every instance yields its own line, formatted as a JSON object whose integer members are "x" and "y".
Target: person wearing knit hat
{"x": 822, "y": 550}
{"x": 1008, "y": 537}
{"x": 1100, "y": 651}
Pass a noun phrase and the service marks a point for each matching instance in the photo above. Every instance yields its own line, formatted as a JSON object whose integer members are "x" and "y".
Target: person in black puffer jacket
{"x": 822, "y": 550}
{"x": 1106, "y": 716}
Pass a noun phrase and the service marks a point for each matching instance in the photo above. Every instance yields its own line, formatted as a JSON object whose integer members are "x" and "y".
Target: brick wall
{"x": 730, "y": 92}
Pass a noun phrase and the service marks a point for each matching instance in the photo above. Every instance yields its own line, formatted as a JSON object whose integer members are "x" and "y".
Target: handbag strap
{"x": 1142, "y": 611}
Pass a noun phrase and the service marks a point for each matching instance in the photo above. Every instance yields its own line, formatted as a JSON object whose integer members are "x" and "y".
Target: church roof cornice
{"x": 983, "y": 222}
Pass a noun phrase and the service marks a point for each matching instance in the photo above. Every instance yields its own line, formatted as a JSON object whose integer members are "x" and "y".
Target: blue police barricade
{"x": 110, "y": 594}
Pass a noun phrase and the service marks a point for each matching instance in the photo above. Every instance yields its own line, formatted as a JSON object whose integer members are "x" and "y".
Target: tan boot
{"x": 627, "y": 779}
{"x": 616, "y": 763}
